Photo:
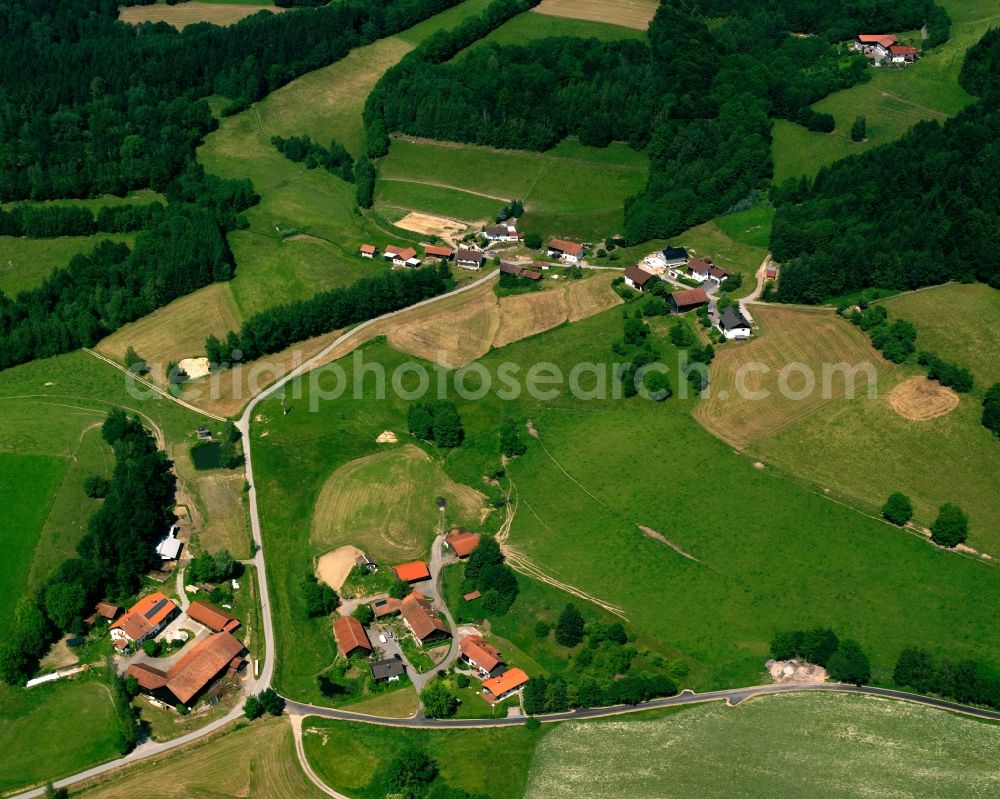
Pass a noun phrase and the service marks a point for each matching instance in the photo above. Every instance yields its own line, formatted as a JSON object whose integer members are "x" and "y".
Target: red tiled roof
{"x": 145, "y": 615}
{"x": 471, "y": 596}
{"x": 568, "y": 247}
{"x": 690, "y": 297}
{"x": 772, "y": 271}
{"x": 189, "y": 675}
{"x": 462, "y": 542}
{"x": 385, "y": 607}
{"x": 884, "y": 39}
{"x": 438, "y": 252}
{"x": 368, "y": 249}
{"x": 212, "y": 617}
{"x": 412, "y": 572}
{"x": 531, "y": 274}
{"x": 107, "y": 610}
{"x": 509, "y": 268}
{"x": 700, "y": 266}
{"x": 350, "y": 635}
{"x": 903, "y": 49}
{"x": 464, "y": 254}
{"x": 508, "y": 681}
{"x": 479, "y": 652}
{"x": 420, "y": 616}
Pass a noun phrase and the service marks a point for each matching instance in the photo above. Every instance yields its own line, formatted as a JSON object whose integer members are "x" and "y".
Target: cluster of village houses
{"x": 214, "y": 653}
{"x": 425, "y": 624}
{"x": 885, "y": 46}
{"x": 672, "y": 262}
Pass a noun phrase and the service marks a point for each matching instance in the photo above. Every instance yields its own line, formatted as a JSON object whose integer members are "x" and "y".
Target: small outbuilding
{"x": 388, "y": 670}
{"x": 212, "y": 617}
{"x": 684, "y": 301}
{"x": 414, "y": 572}
{"x": 351, "y": 636}
{"x": 461, "y": 542}
{"x": 368, "y": 251}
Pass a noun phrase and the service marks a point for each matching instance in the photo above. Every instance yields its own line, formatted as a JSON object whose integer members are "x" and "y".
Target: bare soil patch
{"x": 186, "y": 14}
{"x": 333, "y": 567}
{"x": 627, "y": 13}
{"x": 796, "y": 671}
{"x": 650, "y": 533}
{"x": 921, "y": 399}
{"x": 195, "y": 367}
{"x": 386, "y": 437}
{"x": 450, "y": 230}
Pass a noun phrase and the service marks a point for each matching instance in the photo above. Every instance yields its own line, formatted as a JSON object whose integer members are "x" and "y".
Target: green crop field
{"x": 957, "y": 323}
{"x": 892, "y": 102}
{"x": 29, "y": 483}
{"x": 75, "y": 713}
{"x": 571, "y": 190}
{"x": 25, "y": 263}
{"x": 793, "y": 745}
{"x": 351, "y": 758}
{"x": 760, "y": 567}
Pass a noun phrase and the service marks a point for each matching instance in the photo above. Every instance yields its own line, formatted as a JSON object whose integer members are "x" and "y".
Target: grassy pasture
{"x": 814, "y": 337}
{"x": 217, "y": 12}
{"x": 29, "y": 482}
{"x": 956, "y": 322}
{"x": 25, "y": 263}
{"x": 630, "y": 13}
{"x": 855, "y": 746}
{"x": 571, "y": 190}
{"x": 350, "y": 758}
{"x": 892, "y": 102}
{"x": 396, "y": 195}
{"x": 528, "y": 27}
{"x": 766, "y": 570}
{"x": 257, "y": 760}
{"x": 384, "y": 503}
{"x": 33, "y": 730}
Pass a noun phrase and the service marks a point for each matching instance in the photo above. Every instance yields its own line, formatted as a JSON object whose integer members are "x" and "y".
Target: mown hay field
{"x": 855, "y": 746}
{"x": 258, "y": 761}
{"x": 25, "y": 263}
{"x": 623, "y": 23}
{"x": 385, "y": 504}
{"x": 738, "y": 410}
{"x": 628, "y": 13}
{"x": 184, "y": 14}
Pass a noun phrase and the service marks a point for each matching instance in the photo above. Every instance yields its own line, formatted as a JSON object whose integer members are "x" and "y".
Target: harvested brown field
{"x": 177, "y": 330}
{"x": 257, "y": 760}
{"x": 627, "y": 13}
{"x": 185, "y": 14}
{"x": 450, "y": 230}
{"x": 451, "y": 336}
{"x": 920, "y": 399}
{"x": 333, "y": 567}
{"x": 525, "y": 315}
{"x": 588, "y": 297}
{"x": 791, "y": 339}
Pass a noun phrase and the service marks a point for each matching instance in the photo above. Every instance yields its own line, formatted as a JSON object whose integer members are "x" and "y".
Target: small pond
{"x": 207, "y": 455}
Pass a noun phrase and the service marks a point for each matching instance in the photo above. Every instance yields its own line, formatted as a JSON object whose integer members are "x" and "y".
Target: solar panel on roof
{"x": 156, "y": 608}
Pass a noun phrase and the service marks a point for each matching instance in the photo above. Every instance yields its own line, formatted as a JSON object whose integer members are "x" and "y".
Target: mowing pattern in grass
{"x": 814, "y": 337}
{"x": 351, "y": 758}
{"x": 855, "y": 746}
{"x": 892, "y": 102}
{"x": 257, "y": 761}
{"x": 958, "y": 323}
{"x": 632, "y": 13}
{"x": 25, "y": 263}
{"x": 571, "y": 190}
{"x": 384, "y": 503}
{"x": 53, "y": 730}
{"x": 184, "y": 14}
{"x": 29, "y": 484}
{"x": 548, "y": 23}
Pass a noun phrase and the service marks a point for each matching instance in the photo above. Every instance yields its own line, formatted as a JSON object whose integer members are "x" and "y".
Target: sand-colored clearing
{"x": 195, "y": 367}
{"x": 450, "y": 230}
{"x": 333, "y": 567}
{"x": 627, "y": 13}
{"x": 186, "y": 14}
{"x": 920, "y": 399}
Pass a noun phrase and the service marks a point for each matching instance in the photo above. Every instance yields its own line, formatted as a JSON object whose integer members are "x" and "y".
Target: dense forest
{"x": 114, "y": 553}
{"x": 48, "y": 221}
{"x": 90, "y": 105}
{"x": 920, "y": 211}
{"x": 702, "y": 99}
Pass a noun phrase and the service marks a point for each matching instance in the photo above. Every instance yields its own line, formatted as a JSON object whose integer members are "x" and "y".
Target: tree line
{"x": 843, "y": 658}
{"x": 302, "y": 150}
{"x": 917, "y": 212}
{"x": 50, "y": 221}
{"x": 117, "y": 549}
{"x": 95, "y": 294}
{"x": 90, "y": 105}
{"x": 968, "y": 681}
{"x": 281, "y": 326}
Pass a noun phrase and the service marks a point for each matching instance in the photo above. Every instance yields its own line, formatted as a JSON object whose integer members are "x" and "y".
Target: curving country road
{"x": 298, "y": 710}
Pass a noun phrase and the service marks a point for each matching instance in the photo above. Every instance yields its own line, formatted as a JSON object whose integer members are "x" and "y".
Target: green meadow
{"x": 571, "y": 190}
{"x": 770, "y": 553}
{"x": 25, "y": 263}
{"x": 53, "y": 730}
{"x": 527, "y": 27}
{"x": 892, "y": 102}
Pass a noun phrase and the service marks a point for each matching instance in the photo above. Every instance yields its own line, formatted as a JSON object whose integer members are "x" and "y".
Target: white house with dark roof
{"x": 733, "y": 324}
